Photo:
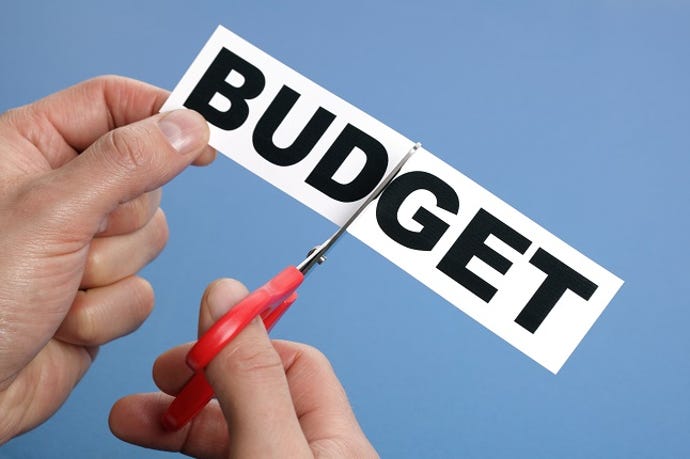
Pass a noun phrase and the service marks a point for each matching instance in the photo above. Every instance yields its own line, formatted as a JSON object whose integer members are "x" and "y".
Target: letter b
{"x": 214, "y": 82}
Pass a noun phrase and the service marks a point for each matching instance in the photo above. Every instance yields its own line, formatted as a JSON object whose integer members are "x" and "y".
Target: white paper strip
{"x": 473, "y": 249}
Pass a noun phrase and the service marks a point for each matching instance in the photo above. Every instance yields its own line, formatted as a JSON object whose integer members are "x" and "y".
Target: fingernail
{"x": 184, "y": 129}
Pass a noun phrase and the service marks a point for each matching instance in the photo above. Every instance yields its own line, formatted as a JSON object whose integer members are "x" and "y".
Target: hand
{"x": 275, "y": 399}
{"x": 79, "y": 178}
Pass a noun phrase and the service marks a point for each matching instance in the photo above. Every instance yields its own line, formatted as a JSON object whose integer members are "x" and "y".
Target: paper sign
{"x": 467, "y": 245}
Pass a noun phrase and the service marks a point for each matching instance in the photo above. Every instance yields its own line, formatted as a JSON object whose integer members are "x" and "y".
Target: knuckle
{"x": 28, "y": 122}
{"x": 156, "y": 237}
{"x": 312, "y": 357}
{"x": 12, "y": 115}
{"x": 85, "y": 326}
{"x": 138, "y": 212}
{"x": 96, "y": 266}
{"x": 143, "y": 297}
{"x": 98, "y": 82}
{"x": 254, "y": 359}
{"x": 161, "y": 232}
{"x": 103, "y": 85}
{"x": 314, "y": 354}
{"x": 126, "y": 147}
{"x": 103, "y": 80}
{"x": 134, "y": 213}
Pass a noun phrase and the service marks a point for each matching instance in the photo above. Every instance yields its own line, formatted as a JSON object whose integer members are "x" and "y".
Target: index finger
{"x": 67, "y": 122}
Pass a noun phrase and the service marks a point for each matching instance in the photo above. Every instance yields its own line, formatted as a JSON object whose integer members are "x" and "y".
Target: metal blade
{"x": 317, "y": 254}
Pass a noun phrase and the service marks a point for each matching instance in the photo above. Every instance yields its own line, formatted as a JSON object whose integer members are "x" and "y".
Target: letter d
{"x": 364, "y": 183}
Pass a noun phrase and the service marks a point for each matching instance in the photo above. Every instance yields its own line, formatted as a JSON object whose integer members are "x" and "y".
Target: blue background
{"x": 576, "y": 113}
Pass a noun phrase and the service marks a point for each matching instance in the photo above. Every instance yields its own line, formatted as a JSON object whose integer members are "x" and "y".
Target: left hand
{"x": 80, "y": 177}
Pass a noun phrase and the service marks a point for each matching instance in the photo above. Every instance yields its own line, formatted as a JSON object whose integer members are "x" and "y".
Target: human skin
{"x": 80, "y": 178}
{"x": 274, "y": 398}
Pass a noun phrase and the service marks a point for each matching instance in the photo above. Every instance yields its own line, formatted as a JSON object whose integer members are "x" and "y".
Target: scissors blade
{"x": 316, "y": 255}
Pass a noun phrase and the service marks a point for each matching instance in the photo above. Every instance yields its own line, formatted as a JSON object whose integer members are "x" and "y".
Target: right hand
{"x": 275, "y": 399}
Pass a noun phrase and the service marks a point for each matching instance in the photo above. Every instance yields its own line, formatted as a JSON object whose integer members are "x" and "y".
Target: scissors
{"x": 269, "y": 301}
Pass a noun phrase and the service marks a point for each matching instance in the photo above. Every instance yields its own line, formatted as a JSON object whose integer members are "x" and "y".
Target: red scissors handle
{"x": 270, "y": 301}
{"x": 264, "y": 301}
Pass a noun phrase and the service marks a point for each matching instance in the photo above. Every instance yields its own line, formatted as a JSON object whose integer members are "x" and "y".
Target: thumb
{"x": 129, "y": 161}
{"x": 249, "y": 381}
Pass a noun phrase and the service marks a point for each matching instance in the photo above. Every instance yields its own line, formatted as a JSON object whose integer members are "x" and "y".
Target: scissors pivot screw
{"x": 321, "y": 259}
